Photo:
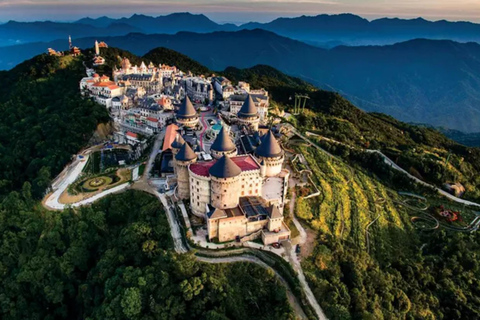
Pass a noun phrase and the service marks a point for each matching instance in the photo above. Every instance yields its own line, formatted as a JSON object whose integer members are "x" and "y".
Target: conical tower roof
{"x": 269, "y": 148}
{"x": 223, "y": 143}
{"x": 224, "y": 168}
{"x": 178, "y": 142}
{"x": 248, "y": 109}
{"x": 186, "y": 109}
{"x": 185, "y": 153}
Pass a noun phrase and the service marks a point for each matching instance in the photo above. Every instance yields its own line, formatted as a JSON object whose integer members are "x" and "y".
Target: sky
{"x": 238, "y": 11}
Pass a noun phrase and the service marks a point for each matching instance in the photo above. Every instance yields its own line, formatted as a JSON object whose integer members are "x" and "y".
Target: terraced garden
{"x": 350, "y": 200}
{"x": 367, "y": 262}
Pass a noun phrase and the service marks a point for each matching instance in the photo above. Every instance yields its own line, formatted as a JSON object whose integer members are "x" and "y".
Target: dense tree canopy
{"x": 113, "y": 260}
{"x": 45, "y": 121}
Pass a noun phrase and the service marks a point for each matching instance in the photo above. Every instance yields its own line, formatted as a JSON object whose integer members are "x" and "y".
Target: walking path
{"x": 389, "y": 162}
{"x": 174, "y": 227}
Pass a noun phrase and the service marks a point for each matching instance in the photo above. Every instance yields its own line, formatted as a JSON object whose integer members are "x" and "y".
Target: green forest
{"x": 114, "y": 259}
{"x": 111, "y": 260}
{"x": 396, "y": 271}
{"x": 45, "y": 121}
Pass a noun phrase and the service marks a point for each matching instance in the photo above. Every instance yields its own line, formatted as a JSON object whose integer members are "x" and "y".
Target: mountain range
{"x": 321, "y": 30}
{"x": 422, "y": 81}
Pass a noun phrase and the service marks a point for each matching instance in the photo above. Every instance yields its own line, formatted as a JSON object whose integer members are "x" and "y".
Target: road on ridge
{"x": 291, "y": 297}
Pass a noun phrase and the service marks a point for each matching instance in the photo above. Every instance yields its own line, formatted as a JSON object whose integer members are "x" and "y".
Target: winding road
{"x": 251, "y": 259}
{"x": 387, "y": 161}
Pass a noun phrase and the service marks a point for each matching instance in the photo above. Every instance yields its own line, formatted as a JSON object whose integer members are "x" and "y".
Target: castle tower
{"x": 223, "y": 145}
{"x": 187, "y": 115}
{"x": 183, "y": 159}
{"x": 176, "y": 145}
{"x": 270, "y": 154}
{"x": 97, "y": 49}
{"x": 70, "y": 45}
{"x": 225, "y": 183}
{"x": 248, "y": 114}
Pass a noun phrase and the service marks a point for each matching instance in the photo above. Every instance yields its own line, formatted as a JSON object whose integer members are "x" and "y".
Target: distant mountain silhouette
{"x": 354, "y": 30}
{"x": 175, "y": 22}
{"x": 14, "y": 32}
{"x": 100, "y": 22}
{"x": 324, "y": 31}
{"x": 423, "y": 81}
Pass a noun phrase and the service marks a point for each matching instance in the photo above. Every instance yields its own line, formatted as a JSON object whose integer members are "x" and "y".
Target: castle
{"x": 238, "y": 195}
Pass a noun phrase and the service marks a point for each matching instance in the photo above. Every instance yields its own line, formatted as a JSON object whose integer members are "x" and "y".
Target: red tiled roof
{"x": 245, "y": 163}
{"x": 152, "y": 119}
{"x": 131, "y": 134}
{"x": 113, "y": 87}
{"x": 170, "y": 135}
{"x": 105, "y": 84}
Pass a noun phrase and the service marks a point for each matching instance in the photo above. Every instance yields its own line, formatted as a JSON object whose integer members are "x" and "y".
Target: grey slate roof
{"x": 224, "y": 168}
{"x": 186, "y": 109}
{"x": 248, "y": 109}
{"x": 185, "y": 153}
{"x": 178, "y": 142}
{"x": 223, "y": 143}
{"x": 269, "y": 148}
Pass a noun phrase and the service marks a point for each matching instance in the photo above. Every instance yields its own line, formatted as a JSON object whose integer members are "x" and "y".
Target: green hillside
{"x": 45, "y": 121}
{"x": 173, "y": 58}
{"x": 382, "y": 275}
{"x": 113, "y": 260}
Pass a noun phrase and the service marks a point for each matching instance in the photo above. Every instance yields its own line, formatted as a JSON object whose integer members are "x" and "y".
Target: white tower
{"x": 97, "y": 49}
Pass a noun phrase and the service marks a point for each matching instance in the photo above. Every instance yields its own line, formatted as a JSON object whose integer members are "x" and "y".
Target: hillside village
{"x": 232, "y": 174}
{"x": 219, "y": 152}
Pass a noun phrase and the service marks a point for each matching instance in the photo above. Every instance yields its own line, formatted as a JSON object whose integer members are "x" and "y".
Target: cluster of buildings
{"x": 72, "y": 50}
{"x": 235, "y": 182}
{"x": 240, "y": 195}
{"x": 235, "y": 96}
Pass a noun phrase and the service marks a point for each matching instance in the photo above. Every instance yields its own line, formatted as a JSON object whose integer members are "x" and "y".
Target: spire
{"x": 186, "y": 153}
{"x": 269, "y": 147}
{"x": 225, "y": 168}
{"x": 249, "y": 109}
{"x": 223, "y": 142}
{"x": 186, "y": 109}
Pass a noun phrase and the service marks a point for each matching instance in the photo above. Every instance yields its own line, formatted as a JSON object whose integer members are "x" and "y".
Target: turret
{"x": 187, "y": 115}
{"x": 270, "y": 154}
{"x": 184, "y": 157}
{"x": 248, "y": 114}
{"x": 176, "y": 145}
{"x": 223, "y": 145}
{"x": 225, "y": 183}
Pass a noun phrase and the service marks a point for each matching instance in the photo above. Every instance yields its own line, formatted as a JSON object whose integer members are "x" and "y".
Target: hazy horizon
{"x": 240, "y": 11}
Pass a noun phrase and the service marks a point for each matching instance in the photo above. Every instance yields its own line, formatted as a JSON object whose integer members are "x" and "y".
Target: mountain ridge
{"x": 420, "y": 80}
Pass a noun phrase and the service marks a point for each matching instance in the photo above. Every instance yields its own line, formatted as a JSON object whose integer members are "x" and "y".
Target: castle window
{"x": 243, "y": 193}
